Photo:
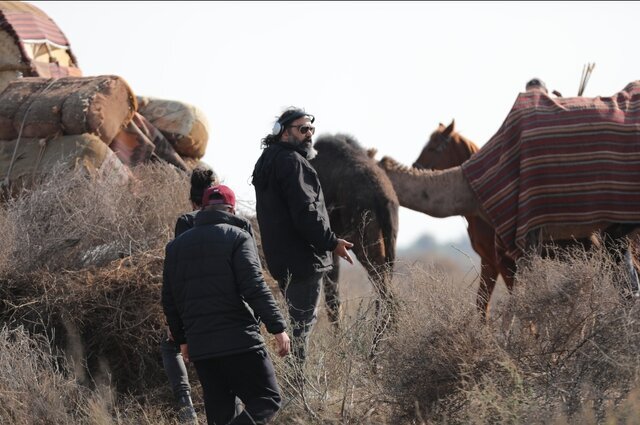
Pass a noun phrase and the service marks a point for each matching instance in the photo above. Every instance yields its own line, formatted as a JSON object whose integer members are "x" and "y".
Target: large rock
{"x": 35, "y": 157}
{"x": 184, "y": 125}
{"x": 42, "y": 107}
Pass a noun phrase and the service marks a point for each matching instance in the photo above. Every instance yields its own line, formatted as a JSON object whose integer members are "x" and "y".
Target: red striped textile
{"x": 29, "y": 25}
{"x": 560, "y": 161}
{"x": 35, "y": 28}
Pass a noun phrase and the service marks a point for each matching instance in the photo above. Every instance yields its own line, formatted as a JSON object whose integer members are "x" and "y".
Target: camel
{"x": 445, "y": 193}
{"x": 558, "y": 169}
{"x": 447, "y": 148}
{"x": 422, "y": 191}
{"x": 363, "y": 208}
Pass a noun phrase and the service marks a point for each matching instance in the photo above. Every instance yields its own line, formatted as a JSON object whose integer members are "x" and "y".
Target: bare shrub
{"x": 561, "y": 349}
{"x": 342, "y": 386}
{"x": 110, "y": 318}
{"x": 8, "y": 230}
{"x": 36, "y": 388}
{"x": 573, "y": 334}
{"x": 440, "y": 342}
{"x": 27, "y": 368}
{"x": 73, "y": 220}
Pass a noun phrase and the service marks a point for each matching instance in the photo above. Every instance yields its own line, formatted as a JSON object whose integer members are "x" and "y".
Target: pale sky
{"x": 384, "y": 72}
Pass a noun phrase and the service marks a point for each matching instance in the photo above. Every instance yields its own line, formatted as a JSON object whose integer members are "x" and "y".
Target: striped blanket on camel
{"x": 560, "y": 161}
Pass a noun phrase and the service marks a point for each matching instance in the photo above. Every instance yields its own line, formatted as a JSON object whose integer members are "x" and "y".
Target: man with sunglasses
{"x": 294, "y": 223}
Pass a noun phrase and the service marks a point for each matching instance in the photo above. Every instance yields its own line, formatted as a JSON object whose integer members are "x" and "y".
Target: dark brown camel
{"x": 363, "y": 208}
{"x": 446, "y": 149}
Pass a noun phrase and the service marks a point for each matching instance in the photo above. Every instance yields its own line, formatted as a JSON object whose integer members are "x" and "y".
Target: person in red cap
{"x": 214, "y": 298}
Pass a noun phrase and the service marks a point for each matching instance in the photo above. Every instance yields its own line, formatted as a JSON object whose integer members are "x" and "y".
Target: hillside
{"x": 80, "y": 333}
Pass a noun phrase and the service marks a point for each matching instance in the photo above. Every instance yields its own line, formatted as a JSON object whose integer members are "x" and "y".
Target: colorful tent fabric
{"x": 34, "y": 28}
{"x": 560, "y": 161}
{"x": 29, "y": 25}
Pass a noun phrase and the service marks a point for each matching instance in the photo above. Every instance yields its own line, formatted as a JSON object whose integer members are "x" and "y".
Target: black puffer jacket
{"x": 294, "y": 223}
{"x": 187, "y": 220}
{"x": 213, "y": 293}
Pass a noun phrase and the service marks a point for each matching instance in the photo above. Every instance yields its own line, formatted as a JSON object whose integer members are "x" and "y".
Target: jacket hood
{"x": 220, "y": 217}
{"x": 262, "y": 169}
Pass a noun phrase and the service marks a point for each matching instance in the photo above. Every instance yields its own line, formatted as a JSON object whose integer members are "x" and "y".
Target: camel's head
{"x": 390, "y": 165}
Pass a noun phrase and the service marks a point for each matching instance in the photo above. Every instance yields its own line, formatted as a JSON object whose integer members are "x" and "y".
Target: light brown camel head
{"x": 390, "y": 165}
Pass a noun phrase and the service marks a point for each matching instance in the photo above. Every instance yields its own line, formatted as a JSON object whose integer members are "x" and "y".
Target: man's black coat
{"x": 213, "y": 292}
{"x": 294, "y": 223}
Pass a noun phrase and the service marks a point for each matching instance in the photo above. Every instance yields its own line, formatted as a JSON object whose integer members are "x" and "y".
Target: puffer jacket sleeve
{"x": 251, "y": 284}
{"x": 168, "y": 301}
{"x": 302, "y": 191}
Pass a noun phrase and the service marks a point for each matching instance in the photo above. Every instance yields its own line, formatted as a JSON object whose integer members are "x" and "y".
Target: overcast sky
{"x": 384, "y": 72}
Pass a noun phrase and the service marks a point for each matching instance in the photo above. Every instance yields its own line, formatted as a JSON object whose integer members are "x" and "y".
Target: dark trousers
{"x": 250, "y": 376}
{"x": 302, "y": 297}
{"x": 175, "y": 368}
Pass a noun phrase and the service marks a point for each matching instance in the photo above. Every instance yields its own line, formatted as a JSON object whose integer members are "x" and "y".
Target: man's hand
{"x": 284, "y": 344}
{"x": 341, "y": 250}
{"x": 184, "y": 350}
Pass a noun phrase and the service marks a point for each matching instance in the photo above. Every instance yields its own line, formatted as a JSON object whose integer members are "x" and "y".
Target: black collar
{"x": 291, "y": 146}
{"x": 204, "y": 218}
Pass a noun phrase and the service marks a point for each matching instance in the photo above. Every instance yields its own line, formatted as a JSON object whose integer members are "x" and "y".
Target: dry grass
{"x": 72, "y": 221}
{"x": 562, "y": 349}
{"x": 79, "y": 342}
{"x": 37, "y": 387}
{"x": 108, "y": 320}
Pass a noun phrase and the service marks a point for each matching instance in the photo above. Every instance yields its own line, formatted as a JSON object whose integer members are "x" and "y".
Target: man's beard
{"x": 307, "y": 146}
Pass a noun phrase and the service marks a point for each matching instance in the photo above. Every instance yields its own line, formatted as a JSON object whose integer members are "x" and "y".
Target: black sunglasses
{"x": 304, "y": 128}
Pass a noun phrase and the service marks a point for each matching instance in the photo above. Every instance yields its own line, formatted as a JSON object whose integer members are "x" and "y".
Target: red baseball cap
{"x": 218, "y": 195}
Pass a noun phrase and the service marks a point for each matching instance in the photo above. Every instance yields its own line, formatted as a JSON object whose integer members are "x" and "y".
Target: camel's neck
{"x": 436, "y": 193}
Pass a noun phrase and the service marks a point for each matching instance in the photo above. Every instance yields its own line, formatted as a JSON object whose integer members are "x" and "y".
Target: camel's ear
{"x": 371, "y": 153}
{"x": 447, "y": 131}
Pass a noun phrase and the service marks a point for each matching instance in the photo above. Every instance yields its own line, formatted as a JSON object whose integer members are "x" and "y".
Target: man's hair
{"x": 219, "y": 207}
{"x": 536, "y": 83}
{"x": 287, "y": 117}
{"x": 201, "y": 179}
